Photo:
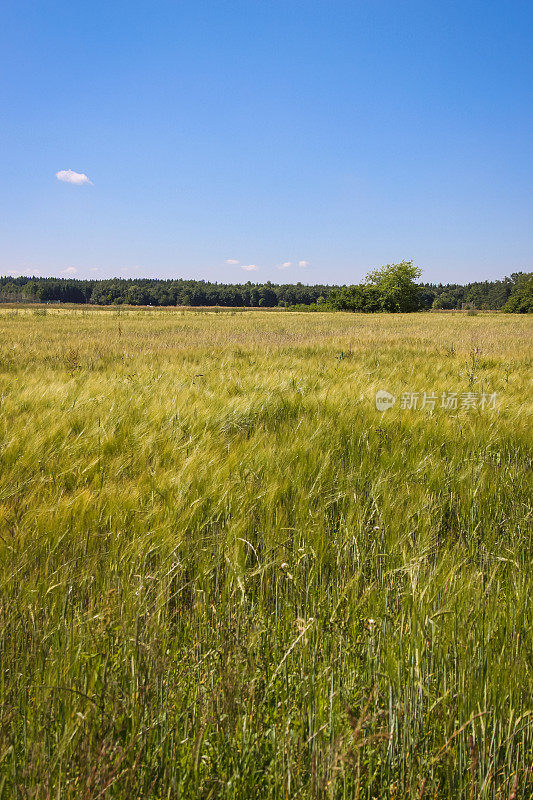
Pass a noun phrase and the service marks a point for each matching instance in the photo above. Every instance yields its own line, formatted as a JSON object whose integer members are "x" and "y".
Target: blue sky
{"x": 328, "y": 136}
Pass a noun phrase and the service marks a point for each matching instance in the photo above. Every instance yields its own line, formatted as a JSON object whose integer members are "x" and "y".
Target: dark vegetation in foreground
{"x": 391, "y": 288}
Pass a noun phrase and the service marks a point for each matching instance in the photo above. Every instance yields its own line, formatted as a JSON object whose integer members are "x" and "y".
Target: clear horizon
{"x": 243, "y": 280}
{"x": 277, "y": 142}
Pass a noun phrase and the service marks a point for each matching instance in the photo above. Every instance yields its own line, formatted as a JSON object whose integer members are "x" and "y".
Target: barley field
{"x": 225, "y": 574}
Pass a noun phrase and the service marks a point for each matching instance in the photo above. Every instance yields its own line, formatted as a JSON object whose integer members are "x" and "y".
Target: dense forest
{"x": 514, "y": 293}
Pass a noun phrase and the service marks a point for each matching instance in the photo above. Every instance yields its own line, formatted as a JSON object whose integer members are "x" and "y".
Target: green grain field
{"x": 225, "y": 574}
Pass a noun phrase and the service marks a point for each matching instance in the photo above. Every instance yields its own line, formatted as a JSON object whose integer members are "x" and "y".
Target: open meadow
{"x": 225, "y": 574}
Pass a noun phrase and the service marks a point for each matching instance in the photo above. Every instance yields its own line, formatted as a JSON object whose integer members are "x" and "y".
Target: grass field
{"x": 225, "y": 574}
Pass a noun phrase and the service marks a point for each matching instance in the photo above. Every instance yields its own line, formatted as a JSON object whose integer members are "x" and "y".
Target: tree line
{"x": 394, "y": 287}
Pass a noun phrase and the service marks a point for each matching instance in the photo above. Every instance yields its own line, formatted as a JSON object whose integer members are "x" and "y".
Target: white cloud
{"x": 94, "y": 269}
{"x": 249, "y": 267}
{"x": 70, "y": 271}
{"x": 231, "y": 261}
{"x": 285, "y": 265}
{"x": 303, "y": 263}
{"x": 69, "y": 176}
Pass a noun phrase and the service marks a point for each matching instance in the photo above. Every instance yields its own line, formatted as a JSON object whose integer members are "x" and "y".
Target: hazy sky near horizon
{"x": 264, "y": 140}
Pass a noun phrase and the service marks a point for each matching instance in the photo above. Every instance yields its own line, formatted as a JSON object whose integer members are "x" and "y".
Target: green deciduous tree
{"x": 521, "y": 300}
{"x": 389, "y": 288}
{"x": 397, "y": 286}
